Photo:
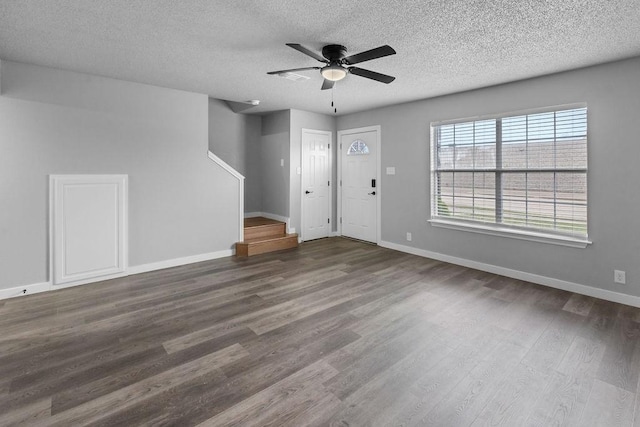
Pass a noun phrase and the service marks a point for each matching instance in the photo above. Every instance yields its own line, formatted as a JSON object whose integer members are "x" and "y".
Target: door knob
{"x": 308, "y": 192}
{"x": 373, "y": 193}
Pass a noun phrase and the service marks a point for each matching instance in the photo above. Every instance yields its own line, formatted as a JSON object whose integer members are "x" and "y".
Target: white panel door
{"x": 359, "y": 193}
{"x": 88, "y": 228}
{"x": 315, "y": 184}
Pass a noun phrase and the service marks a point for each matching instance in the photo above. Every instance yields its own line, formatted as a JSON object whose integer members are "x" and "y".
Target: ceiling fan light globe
{"x": 333, "y": 73}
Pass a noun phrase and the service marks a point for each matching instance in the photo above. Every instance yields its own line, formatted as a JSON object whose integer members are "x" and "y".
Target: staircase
{"x": 262, "y": 235}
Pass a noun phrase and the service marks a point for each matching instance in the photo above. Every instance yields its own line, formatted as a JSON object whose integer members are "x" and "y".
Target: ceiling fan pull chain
{"x": 335, "y": 110}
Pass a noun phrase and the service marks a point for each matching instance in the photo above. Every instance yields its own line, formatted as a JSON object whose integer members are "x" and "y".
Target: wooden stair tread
{"x": 263, "y": 228}
{"x": 265, "y": 245}
{"x": 259, "y": 221}
{"x": 264, "y": 235}
{"x": 269, "y": 239}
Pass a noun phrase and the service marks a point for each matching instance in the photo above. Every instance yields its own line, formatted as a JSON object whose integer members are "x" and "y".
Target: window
{"x": 523, "y": 174}
{"x": 358, "y": 148}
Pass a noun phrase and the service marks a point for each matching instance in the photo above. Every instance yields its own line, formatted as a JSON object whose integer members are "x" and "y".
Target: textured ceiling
{"x": 225, "y": 48}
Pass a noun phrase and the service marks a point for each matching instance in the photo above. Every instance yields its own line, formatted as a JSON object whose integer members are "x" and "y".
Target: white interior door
{"x": 88, "y": 228}
{"x": 315, "y": 184}
{"x": 360, "y": 184}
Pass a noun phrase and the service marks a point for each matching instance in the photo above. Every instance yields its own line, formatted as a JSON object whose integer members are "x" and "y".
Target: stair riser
{"x": 256, "y": 248}
{"x": 265, "y": 231}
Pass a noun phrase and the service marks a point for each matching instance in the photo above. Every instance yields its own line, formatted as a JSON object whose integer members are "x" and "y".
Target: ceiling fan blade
{"x": 306, "y": 51}
{"x": 383, "y": 78}
{"x": 368, "y": 55}
{"x": 327, "y": 84}
{"x": 293, "y": 70}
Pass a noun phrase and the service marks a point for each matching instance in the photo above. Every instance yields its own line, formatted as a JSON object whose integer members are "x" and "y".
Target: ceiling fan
{"x": 338, "y": 65}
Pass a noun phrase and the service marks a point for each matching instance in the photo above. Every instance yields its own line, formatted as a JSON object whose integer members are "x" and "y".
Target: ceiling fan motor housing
{"x": 334, "y": 52}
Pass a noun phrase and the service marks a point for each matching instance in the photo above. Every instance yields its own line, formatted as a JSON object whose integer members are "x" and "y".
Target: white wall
{"x": 57, "y": 122}
{"x": 612, "y": 92}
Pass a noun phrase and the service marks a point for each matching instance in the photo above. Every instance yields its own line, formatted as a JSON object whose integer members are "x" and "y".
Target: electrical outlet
{"x": 619, "y": 276}
{"x": 408, "y": 237}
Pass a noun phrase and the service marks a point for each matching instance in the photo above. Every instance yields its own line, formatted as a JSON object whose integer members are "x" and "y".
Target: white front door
{"x": 360, "y": 183}
{"x": 315, "y": 184}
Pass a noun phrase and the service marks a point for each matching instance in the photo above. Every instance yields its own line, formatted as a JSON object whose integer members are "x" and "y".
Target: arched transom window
{"x": 358, "y": 148}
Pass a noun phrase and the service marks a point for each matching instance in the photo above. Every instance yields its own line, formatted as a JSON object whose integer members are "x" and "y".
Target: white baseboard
{"x": 144, "y": 268}
{"x": 520, "y": 275}
{"x": 20, "y": 291}
{"x": 252, "y": 214}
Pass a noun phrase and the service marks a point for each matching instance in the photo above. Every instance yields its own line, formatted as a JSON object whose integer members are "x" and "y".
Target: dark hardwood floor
{"x": 335, "y": 332}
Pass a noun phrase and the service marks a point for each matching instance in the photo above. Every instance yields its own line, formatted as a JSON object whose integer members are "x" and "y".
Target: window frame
{"x": 497, "y": 228}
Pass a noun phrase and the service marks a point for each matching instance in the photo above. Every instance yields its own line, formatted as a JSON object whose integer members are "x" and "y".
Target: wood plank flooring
{"x": 336, "y": 333}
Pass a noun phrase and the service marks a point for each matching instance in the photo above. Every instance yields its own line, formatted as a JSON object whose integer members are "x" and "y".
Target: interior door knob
{"x": 373, "y": 193}
{"x": 308, "y": 192}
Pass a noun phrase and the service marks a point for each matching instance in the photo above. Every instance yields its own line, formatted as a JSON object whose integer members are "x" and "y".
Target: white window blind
{"x": 527, "y": 172}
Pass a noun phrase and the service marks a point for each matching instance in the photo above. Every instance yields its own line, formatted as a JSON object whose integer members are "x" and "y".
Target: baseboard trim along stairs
{"x": 263, "y": 235}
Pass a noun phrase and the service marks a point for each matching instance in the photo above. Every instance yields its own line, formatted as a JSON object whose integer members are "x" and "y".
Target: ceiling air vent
{"x": 293, "y": 76}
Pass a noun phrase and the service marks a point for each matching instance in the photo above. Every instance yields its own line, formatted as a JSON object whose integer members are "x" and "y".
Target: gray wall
{"x": 235, "y": 138}
{"x": 612, "y": 92}
{"x": 58, "y": 122}
{"x": 274, "y": 149}
{"x": 306, "y": 120}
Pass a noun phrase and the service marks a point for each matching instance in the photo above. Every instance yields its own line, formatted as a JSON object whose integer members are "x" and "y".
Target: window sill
{"x": 494, "y": 230}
